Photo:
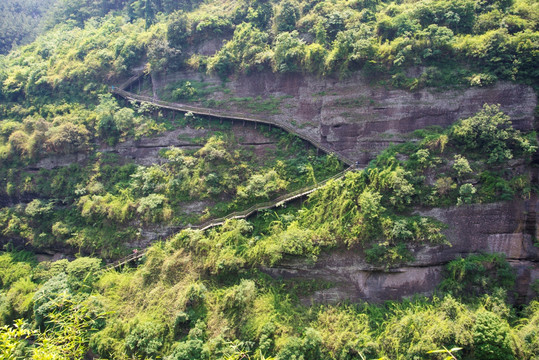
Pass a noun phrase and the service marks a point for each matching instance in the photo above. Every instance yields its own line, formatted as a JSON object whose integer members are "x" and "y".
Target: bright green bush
{"x": 306, "y": 347}
{"x": 492, "y": 338}
{"x": 289, "y": 52}
{"x": 13, "y": 267}
{"x": 145, "y": 339}
{"x": 82, "y": 273}
{"x": 345, "y": 333}
{"x": 527, "y": 331}
{"x": 20, "y": 297}
{"x": 261, "y": 186}
{"x": 490, "y": 130}
{"x": 51, "y": 297}
{"x": 185, "y": 91}
{"x": 461, "y": 166}
{"x": 478, "y": 274}
{"x": 466, "y": 192}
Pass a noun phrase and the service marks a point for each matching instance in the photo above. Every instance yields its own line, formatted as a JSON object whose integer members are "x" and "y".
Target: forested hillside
{"x": 88, "y": 177}
{"x": 22, "y": 21}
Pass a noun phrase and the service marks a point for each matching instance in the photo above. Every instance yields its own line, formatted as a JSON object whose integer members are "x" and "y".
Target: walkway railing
{"x": 239, "y": 214}
{"x": 234, "y": 116}
{"x": 221, "y": 114}
{"x": 131, "y": 80}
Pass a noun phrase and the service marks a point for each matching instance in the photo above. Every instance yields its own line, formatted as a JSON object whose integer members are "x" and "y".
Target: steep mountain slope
{"x": 434, "y": 103}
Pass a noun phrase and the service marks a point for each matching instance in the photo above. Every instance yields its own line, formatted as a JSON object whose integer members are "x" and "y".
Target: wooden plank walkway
{"x": 233, "y": 116}
{"x": 221, "y": 114}
{"x": 239, "y": 215}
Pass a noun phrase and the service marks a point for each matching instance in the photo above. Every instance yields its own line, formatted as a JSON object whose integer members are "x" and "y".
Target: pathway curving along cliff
{"x": 281, "y": 200}
{"x": 231, "y": 116}
{"x": 120, "y": 90}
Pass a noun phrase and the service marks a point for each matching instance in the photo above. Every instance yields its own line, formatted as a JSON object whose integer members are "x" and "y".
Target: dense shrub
{"x": 51, "y": 297}
{"x": 478, "y": 274}
{"x": 492, "y": 338}
{"x": 82, "y": 273}
{"x": 145, "y": 339}
{"x": 490, "y": 130}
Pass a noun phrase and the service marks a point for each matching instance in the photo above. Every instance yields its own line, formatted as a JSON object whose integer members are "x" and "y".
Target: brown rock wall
{"x": 145, "y": 151}
{"x": 358, "y": 119}
{"x": 472, "y": 229}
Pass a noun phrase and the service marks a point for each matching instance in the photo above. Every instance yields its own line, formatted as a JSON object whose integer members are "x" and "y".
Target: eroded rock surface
{"x": 359, "y": 120}
{"x": 492, "y": 228}
{"x": 145, "y": 151}
{"x": 354, "y": 117}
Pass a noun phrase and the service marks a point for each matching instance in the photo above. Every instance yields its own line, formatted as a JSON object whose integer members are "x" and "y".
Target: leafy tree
{"x": 261, "y": 186}
{"x": 67, "y": 138}
{"x": 124, "y": 120}
{"x": 490, "y": 130}
{"x": 438, "y": 41}
{"x": 289, "y": 52}
{"x": 178, "y": 30}
{"x": 22, "y": 21}
{"x": 50, "y": 298}
{"x": 306, "y": 347}
{"x": 287, "y": 16}
{"x": 82, "y": 273}
{"x": 145, "y": 339}
{"x": 154, "y": 208}
{"x": 259, "y": 13}
{"x": 444, "y": 185}
{"x": 247, "y": 51}
{"x": 492, "y": 339}
{"x": 461, "y": 165}
{"x": 106, "y": 126}
{"x": 458, "y": 15}
{"x": 477, "y": 275}
{"x": 68, "y": 332}
{"x": 161, "y": 55}
{"x": 185, "y": 91}
{"x": 334, "y": 25}
{"x": 19, "y": 142}
{"x": 466, "y": 192}
{"x": 14, "y": 340}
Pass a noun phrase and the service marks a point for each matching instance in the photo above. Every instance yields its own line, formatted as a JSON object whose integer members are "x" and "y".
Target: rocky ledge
{"x": 508, "y": 228}
{"x": 352, "y": 116}
{"x": 145, "y": 151}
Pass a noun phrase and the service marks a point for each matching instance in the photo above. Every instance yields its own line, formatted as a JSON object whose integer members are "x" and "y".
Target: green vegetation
{"x": 458, "y": 42}
{"x": 194, "y": 314}
{"x": 204, "y": 294}
{"x": 208, "y": 298}
{"x": 95, "y": 208}
{"x": 21, "y": 21}
{"x": 370, "y": 209}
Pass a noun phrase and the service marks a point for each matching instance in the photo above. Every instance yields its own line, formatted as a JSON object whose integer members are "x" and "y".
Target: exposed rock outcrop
{"x": 145, "y": 151}
{"x": 359, "y": 120}
{"x": 354, "y": 117}
{"x": 496, "y": 227}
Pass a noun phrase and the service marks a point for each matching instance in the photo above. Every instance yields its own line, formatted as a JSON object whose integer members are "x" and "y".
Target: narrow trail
{"x": 231, "y": 116}
{"x": 120, "y": 90}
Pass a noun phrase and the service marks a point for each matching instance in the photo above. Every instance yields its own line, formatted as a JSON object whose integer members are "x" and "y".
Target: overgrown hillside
{"x": 22, "y": 21}
{"x": 201, "y": 295}
{"x": 87, "y": 177}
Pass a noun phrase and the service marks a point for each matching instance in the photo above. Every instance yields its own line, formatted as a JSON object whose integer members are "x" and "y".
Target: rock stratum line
{"x": 220, "y": 114}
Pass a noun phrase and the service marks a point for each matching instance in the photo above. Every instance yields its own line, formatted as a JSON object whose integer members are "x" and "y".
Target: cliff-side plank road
{"x": 120, "y": 90}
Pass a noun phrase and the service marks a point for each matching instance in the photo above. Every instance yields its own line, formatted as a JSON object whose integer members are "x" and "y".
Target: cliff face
{"x": 145, "y": 151}
{"x": 360, "y": 120}
{"x": 507, "y": 228}
{"x": 354, "y": 117}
